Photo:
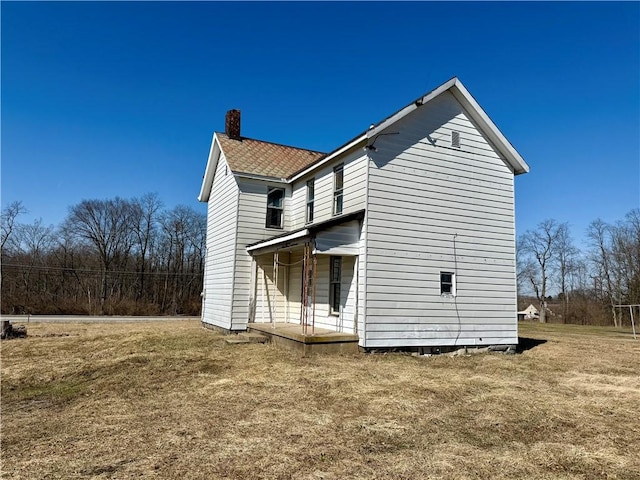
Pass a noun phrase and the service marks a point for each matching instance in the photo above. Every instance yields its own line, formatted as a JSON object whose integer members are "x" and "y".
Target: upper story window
{"x": 338, "y": 185}
{"x": 275, "y": 207}
{"x": 448, "y": 284}
{"x": 310, "y": 200}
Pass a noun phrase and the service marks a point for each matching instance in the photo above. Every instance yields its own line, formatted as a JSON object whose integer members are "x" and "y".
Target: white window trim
{"x": 453, "y": 284}
{"x": 266, "y": 222}
{"x": 332, "y": 311}
{"x": 338, "y": 193}
{"x": 310, "y": 202}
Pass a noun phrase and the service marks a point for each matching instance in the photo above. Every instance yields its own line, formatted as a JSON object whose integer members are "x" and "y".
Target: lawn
{"x": 172, "y": 400}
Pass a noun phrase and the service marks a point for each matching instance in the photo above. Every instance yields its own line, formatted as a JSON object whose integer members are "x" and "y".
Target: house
{"x": 529, "y": 313}
{"x": 403, "y": 236}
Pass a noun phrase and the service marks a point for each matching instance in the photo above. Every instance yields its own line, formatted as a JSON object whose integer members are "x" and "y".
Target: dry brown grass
{"x": 171, "y": 400}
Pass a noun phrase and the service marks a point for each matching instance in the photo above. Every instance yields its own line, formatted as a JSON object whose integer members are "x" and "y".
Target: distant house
{"x": 529, "y": 313}
{"x": 404, "y": 235}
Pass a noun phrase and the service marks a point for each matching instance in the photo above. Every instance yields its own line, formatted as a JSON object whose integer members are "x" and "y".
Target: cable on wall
{"x": 455, "y": 297}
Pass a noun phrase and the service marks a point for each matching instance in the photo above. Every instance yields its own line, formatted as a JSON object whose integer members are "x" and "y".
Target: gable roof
{"x": 267, "y": 159}
{"x": 475, "y": 111}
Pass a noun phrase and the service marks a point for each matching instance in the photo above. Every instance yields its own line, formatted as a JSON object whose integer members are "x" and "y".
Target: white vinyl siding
{"x": 344, "y": 322}
{"x": 252, "y": 211}
{"x": 270, "y": 302}
{"x": 432, "y": 209}
{"x": 354, "y": 190}
{"x": 295, "y": 287}
{"x": 341, "y": 239}
{"x": 222, "y": 211}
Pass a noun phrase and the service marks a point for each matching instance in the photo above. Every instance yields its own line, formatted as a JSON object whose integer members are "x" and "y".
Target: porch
{"x": 306, "y": 339}
{"x": 304, "y": 284}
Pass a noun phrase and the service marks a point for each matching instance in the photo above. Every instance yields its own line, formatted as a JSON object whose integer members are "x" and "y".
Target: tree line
{"x": 589, "y": 284}
{"x": 133, "y": 257}
{"x": 114, "y": 257}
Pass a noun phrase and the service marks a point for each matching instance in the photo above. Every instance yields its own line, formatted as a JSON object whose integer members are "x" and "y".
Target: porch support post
{"x": 253, "y": 291}
{"x": 263, "y": 286}
{"x": 285, "y": 288}
{"x": 313, "y": 300}
{"x": 356, "y": 266}
{"x": 274, "y": 303}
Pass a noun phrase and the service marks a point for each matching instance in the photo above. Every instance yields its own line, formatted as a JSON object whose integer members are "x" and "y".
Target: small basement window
{"x": 448, "y": 284}
{"x": 275, "y": 207}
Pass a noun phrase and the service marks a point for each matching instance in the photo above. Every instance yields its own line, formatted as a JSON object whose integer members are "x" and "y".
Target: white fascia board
{"x": 283, "y": 239}
{"x": 495, "y": 135}
{"x": 330, "y": 157}
{"x": 253, "y": 176}
{"x": 469, "y": 103}
{"x": 209, "y": 172}
{"x": 410, "y": 108}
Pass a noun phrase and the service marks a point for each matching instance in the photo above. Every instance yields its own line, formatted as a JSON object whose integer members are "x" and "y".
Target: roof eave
{"x": 400, "y": 114}
{"x": 209, "y": 172}
{"x": 517, "y": 163}
{"x": 319, "y": 163}
{"x": 255, "y": 176}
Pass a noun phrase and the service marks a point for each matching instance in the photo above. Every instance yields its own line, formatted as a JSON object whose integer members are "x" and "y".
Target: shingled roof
{"x": 256, "y": 157}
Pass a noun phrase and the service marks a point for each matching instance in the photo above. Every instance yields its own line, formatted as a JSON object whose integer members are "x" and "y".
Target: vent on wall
{"x": 455, "y": 139}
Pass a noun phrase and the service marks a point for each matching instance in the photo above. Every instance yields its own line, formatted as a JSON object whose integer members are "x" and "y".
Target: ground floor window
{"x": 335, "y": 278}
{"x": 448, "y": 284}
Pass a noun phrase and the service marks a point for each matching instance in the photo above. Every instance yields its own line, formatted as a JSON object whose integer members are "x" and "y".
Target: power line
{"x": 86, "y": 270}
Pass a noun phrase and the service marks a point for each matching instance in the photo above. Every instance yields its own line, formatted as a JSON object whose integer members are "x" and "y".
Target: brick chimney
{"x": 232, "y": 124}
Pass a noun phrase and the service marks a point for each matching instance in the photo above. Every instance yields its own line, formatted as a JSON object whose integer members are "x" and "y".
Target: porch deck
{"x": 322, "y": 340}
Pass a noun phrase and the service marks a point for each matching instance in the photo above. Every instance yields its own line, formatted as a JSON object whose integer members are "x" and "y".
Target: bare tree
{"x": 599, "y": 234}
{"x": 33, "y": 243}
{"x": 567, "y": 258}
{"x": 8, "y": 221}
{"x": 144, "y": 219}
{"x": 632, "y": 254}
{"x": 183, "y": 231}
{"x": 106, "y": 225}
{"x": 109, "y": 256}
{"x": 539, "y": 248}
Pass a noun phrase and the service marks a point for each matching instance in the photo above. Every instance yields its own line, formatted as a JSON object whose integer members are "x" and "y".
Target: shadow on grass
{"x": 525, "y": 343}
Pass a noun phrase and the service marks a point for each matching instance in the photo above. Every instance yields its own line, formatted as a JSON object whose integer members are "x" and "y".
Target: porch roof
{"x": 302, "y": 234}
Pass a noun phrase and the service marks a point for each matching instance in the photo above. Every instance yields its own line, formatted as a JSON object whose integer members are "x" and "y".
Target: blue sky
{"x": 121, "y": 98}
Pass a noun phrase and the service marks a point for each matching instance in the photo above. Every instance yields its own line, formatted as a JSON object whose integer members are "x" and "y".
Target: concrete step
{"x": 252, "y": 337}
{"x": 246, "y": 337}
